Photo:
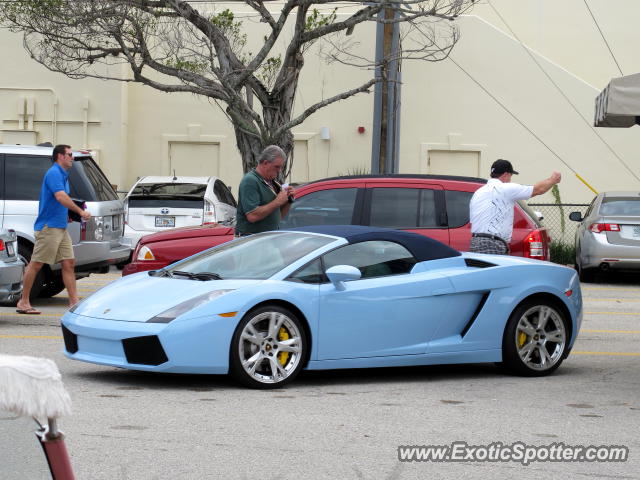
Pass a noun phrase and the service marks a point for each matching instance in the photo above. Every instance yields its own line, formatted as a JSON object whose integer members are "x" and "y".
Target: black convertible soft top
{"x": 421, "y": 247}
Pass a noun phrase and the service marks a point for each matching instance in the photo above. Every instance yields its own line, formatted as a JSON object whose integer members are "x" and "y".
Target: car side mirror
{"x": 575, "y": 216}
{"x": 342, "y": 273}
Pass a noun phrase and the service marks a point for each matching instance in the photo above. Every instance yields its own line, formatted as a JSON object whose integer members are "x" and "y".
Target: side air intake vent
{"x": 474, "y": 262}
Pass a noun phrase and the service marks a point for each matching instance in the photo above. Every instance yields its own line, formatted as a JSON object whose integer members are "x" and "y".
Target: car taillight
{"x": 209, "y": 213}
{"x": 604, "y": 227}
{"x": 1, "y": 245}
{"x": 534, "y": 245}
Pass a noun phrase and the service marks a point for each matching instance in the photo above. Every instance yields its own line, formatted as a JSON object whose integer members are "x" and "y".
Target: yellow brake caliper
{"x": 283, "y": 357}
{"x": 522, "y": 337}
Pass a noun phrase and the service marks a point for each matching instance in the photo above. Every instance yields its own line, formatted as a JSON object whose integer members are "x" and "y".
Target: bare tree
{"x": 201, "y": 47}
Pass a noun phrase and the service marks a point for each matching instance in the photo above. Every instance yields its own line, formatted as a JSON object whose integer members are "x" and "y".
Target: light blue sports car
{"x": 266, "y": 306}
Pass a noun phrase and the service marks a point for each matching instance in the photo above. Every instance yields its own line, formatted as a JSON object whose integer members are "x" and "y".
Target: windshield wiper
{"x": 202, "y": 276}
{"x": 160, "y": 273}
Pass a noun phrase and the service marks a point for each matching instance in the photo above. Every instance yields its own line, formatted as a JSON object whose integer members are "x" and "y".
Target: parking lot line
{"x": 611, "y": 288}
{"x": 625, "y": 300}
{"x": 42, "y": 315}
{"x": 609, "y": 331}
{"x": 612, "y": 354}
{"x": 52, "y": 337}
{"x": 613, "y": 313}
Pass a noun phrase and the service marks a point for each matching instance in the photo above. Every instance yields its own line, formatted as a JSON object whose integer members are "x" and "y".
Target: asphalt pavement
{"x": 338, "y": 424}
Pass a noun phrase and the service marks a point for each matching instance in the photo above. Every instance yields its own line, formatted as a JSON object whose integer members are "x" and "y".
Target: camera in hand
{"x": 75, "y": 217}
{"x": 284, "y": 186}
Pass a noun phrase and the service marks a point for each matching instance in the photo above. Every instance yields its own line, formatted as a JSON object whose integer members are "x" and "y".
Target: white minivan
{"x": 156, "y": 204}
{"x": 97, "y": 244}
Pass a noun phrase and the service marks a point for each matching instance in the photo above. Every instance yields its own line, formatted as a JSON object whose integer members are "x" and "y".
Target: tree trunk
{"x": 249, "y": 146}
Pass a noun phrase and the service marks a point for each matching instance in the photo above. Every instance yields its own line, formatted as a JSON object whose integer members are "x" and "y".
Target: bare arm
{"x": 543, "y": 186}
{"x": 66, "y": 201}
{"x": 284, "y": 209}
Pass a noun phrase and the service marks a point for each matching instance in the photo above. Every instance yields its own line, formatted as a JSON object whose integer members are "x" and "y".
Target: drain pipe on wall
{"x": 54, "y": 105}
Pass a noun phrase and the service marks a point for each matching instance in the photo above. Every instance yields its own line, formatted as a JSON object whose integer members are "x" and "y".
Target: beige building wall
{"x": 489, "y": 100}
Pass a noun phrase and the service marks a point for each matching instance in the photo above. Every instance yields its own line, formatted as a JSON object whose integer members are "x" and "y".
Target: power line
{"x": 513, "y": 115}
{"x": 603, "y": 37}
{"x": 575, "y": 109}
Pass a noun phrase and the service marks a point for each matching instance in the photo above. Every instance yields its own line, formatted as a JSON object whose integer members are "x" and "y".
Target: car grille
{"x": 144, "y": 350}
{"x": 70, "y": 340}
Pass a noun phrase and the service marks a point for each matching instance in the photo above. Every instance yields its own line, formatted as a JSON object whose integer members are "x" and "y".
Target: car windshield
{"x": 254, "y": 257}
{"x": 626, "y": 206}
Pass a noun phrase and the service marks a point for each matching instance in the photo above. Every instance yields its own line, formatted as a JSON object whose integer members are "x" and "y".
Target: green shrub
{"x": 563, "y": 253}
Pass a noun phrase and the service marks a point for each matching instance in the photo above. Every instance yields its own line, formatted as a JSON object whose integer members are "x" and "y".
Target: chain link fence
{"x": 555, "y": 216}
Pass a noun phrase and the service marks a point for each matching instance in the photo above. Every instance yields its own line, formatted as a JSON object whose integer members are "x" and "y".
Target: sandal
{"x": 28, "y": 311}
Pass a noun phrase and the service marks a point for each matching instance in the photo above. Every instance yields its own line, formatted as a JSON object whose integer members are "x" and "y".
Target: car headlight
{"x": 173, "y": 312}
{"x": 145, "y": 253}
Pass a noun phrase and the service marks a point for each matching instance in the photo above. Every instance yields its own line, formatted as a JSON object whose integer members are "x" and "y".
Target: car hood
{"x": 188, "y": 232}
{"x": 139, "y": 297}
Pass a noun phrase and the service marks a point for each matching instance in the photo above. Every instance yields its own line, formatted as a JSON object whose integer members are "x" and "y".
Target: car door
{"x": 22, "y": 181}
{"x": 387, "y": 312}
{"x": 334, "y": 204}
{"x": 457, "y": 202}
{"x": 403, "y": 204}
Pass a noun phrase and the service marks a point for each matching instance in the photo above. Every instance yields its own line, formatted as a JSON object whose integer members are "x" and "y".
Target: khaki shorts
{"x": 52, "y": 246}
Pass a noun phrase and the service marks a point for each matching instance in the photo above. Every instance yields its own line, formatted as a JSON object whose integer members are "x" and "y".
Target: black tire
{"x": 525, "y": 342}
{"x": 268, "y": 348}
{"x": 586, "y": 275}
{"x": 24, "y": 253}
{"x": 52, "y": 288}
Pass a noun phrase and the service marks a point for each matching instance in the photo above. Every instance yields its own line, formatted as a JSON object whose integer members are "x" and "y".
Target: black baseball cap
{"x": 501, "y": 166}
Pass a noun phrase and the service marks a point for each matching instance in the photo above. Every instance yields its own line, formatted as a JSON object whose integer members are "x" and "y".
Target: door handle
{"x": 441, "y": 291}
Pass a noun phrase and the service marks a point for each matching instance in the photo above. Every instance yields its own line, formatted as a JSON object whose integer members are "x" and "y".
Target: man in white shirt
{"x": 491, "y": 207}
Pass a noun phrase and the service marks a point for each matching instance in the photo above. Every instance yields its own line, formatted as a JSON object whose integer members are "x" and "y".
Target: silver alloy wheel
{"x": 540, "y": 337}
{"x": 270, "y": 347}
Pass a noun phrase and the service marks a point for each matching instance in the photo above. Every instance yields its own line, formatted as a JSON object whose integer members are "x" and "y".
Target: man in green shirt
{"x": 262, "y": 201}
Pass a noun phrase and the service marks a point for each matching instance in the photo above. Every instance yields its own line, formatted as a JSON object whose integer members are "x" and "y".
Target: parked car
{"x": 159, "y": 203}
{"x": 97, "y": 244}
{"x": 608, "y": 237}
{"x": 266, "y": 306}
{"x": 11, "y": 267}
{"x": 436, "y": 206}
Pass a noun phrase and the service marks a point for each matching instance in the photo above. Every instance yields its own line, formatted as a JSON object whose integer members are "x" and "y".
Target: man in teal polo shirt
{"x": 262, "y": 201}
{"x": 53, "y": 243}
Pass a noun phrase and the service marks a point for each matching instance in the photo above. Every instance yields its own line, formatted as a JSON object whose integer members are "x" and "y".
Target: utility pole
{"x": 385, "y": 149}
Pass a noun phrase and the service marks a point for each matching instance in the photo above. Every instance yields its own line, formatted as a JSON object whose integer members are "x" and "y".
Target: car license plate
{"x": 167, "y": 222}
{"x": 632, "y": 232}
{"x": 10, "y": 250}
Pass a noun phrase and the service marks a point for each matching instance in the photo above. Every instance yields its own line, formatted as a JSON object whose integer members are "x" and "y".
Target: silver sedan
{"x": 608, "y": 237}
